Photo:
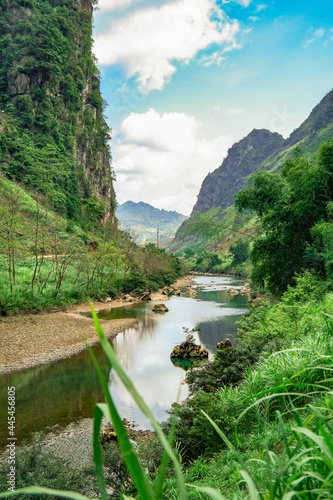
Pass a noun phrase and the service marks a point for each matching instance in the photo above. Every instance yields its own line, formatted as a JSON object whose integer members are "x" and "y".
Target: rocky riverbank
{"x": 29, "y": 340}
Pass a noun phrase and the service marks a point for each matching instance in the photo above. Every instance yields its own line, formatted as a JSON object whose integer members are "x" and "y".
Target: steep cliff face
{"x": 53, "y": 136}
{"x": 243, "y": 158}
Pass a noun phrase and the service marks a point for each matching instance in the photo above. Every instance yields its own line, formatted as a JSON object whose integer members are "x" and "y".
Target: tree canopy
{"x": 292, "y": 205}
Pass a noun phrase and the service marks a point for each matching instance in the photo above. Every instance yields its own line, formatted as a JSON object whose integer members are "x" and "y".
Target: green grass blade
{"x": 127, "y": 382}
{"x": 289, "y": 495}
{"x": 317, "y": 439}
{"x": 165, "y": 460}
{"x": 225, "y": 439}
{"x": 283, "y": 432}
{"x": 37, "y": 490}
{"x": 266, "y": 398}
{"x": 253, "y": 492}
{"x": 133, "y": 464}
{"x": 98, "y": 459}
{"x": 214, "y": 494}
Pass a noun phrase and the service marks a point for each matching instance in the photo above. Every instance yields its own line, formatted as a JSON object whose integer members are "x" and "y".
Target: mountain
{"x": 144, "y": 220}
{"x": 54, "y": 138}
{"x": 243, "y": 158}
{"x": 214, "y": 225}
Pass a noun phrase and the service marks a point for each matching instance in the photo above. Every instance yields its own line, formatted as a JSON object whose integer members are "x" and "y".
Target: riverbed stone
{"x": 160, "y": 308}
{"x": 224, "y": 344}
{"x": 128, "y": 298}
{"x": 191, "y": 293}
{"x": 188, "y": 350}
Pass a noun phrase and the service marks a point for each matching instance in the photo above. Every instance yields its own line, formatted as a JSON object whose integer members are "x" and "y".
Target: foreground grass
{"x": 277, "y": 436}
{"x": 273, "y": 429}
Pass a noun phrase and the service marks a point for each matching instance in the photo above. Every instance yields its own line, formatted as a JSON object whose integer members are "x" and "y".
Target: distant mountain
{"x": 260, "y": 150}
{"x": 144, "y": 220}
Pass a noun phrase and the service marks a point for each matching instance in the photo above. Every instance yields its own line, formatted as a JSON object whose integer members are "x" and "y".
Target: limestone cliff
{"x": 54, "y": 138}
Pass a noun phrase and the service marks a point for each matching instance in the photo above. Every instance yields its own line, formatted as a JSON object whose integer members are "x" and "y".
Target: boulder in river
{"x": 188, "y": 350}
{"x": 191, "y": 293}
{"x": 160, "y": 308}
{"x": 224, "y": 344}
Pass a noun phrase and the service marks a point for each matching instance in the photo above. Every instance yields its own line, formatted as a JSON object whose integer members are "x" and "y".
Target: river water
{"x": 67, "y": 391}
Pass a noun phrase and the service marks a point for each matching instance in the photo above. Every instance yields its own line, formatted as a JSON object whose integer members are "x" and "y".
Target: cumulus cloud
{"x": 162, "y": 159}
{"x": 147, "y": 42}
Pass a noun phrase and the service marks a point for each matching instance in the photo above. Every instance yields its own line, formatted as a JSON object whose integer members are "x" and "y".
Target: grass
{"x": 281, "y": 445}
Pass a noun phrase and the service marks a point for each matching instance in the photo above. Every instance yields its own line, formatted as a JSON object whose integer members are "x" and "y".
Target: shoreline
{"x": 29, "y": 340}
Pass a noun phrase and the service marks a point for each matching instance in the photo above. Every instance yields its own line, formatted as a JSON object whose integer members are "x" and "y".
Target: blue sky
{"x": 185, "y": 79}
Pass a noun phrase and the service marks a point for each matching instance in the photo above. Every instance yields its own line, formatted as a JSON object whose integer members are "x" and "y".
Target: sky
{"x": 185, "y": 79}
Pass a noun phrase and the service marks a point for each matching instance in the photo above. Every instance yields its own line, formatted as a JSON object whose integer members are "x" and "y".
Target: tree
{"x": 10, "y": 226}
{"x": 289, "y": 205}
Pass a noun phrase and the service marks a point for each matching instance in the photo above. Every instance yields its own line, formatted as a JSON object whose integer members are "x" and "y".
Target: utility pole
{"x": 157, "y": 238}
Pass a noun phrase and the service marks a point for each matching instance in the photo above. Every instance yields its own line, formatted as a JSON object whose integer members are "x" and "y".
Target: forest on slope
{"x": 59, "y": 240}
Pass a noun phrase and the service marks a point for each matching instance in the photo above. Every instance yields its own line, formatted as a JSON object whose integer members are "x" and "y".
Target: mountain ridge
{"x": 144, "y": 220}
{"x": 215, "y": 197}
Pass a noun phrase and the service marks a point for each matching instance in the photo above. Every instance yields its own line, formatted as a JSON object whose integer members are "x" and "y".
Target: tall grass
{"x": 300, "y": 466}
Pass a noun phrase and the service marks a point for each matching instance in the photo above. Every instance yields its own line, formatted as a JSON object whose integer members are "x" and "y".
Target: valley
{"x": 209, "y": 343}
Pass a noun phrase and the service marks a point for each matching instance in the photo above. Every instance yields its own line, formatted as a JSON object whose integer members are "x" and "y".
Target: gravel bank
{"x": 36, "y": 339}
{"x": 29, "y": 340}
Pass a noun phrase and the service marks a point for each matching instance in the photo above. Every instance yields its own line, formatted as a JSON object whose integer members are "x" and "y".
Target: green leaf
{"x": 133, "y": 464}
{"x": 37, "y": 490}
{"x": 215, "y": 494}
{"x": 125, "y": 379}
{"x": 317, "y": 439}
{"x": 253, "y": 492}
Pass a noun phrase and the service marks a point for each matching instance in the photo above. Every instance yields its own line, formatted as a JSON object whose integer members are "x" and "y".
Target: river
{"x": 66, "y": 391}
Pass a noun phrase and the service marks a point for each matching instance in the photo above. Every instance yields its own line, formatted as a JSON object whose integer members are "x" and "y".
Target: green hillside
{"x": 144, "y": 220}
{"x": 59, "y": 241}
{"x": 54, "y": 138}
{"x": 215, "y": 230}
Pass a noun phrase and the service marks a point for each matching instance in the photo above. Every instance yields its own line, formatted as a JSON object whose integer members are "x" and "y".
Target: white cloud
{"x": 214, "y": 58}
{"x": 261, "y": 7}
{"x": 162, "y": 159}
{"x": 244, "y": 3}
{"x": 148, "y": 41}
{"x": 317, "y": 35}
{"x": 109, "y": 5}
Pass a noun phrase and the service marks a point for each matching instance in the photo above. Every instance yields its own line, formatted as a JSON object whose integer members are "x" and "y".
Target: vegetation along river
{"x": 66, "y": 391}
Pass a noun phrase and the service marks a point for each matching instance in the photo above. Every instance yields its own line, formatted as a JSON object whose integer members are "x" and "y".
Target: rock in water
{"x": 188, "y": 350}
{"x": 224, "y": 344}
{"x": 191, "y": 293}
{"x": 160, "y": 308}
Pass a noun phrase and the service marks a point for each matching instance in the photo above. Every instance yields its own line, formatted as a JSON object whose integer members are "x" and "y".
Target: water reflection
{"x": 58, "y": 393}
{"x": 147, "y": 357}
{"x": 67, "y": 390}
